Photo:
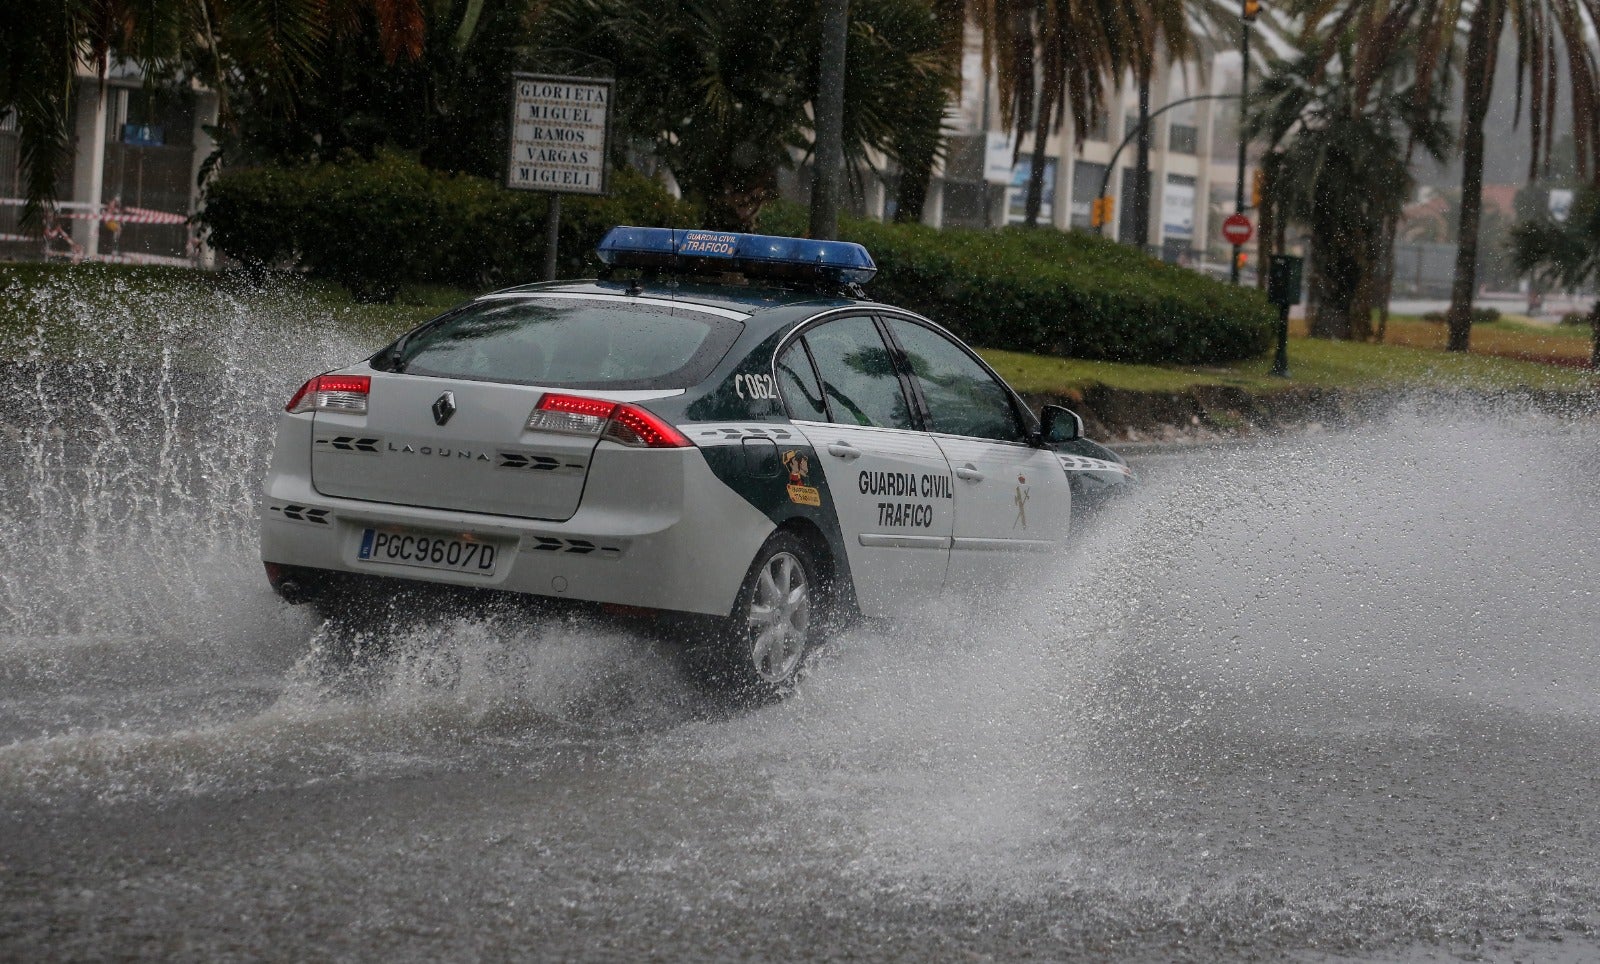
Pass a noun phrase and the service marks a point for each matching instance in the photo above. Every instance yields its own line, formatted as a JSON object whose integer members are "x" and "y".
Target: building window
{"x": 966, "y": 204}
{"x": 1177, "y": 213}
{"x": 1017, "y": 192}
{"x": 1086, "y": 179}
{"x": 1183, "y": 139}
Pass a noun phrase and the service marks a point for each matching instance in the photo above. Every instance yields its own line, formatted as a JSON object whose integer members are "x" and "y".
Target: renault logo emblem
{"x": 443, "y": 407}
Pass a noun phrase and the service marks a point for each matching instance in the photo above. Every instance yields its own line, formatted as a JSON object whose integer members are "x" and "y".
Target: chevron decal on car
{"x": 1082, "y": 463}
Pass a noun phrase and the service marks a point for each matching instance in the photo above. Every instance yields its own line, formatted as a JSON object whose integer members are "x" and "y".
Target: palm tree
{"x": 447, "y": 105}
{"x": 1547, "y": 34}
{"x": 1564, "y": 254}
{"x": 1340, "y": 135}
{"x": 1052, "y": 58}
{"x": 220, "y": 43}
{"x": 720, "y": 89}
{"x": 921, "y": 136}
{"x": 1055, "y": 58}
{"x": 1380, "y": 27}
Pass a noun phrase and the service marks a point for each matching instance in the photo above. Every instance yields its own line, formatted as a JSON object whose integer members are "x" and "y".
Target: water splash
{"x": 1328, "y": 691}
{"x": 140, "y": 419}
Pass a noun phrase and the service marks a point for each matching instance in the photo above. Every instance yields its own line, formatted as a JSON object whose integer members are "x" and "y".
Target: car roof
{"x": 765, "y": 305}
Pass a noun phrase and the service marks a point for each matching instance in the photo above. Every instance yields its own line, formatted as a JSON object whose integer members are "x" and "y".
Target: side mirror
{"x": 1057, "y": 425}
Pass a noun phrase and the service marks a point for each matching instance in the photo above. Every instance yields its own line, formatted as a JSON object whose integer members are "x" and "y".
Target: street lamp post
{"x": 1247, "y": 15}
{"x": 1111, "y": 166}
{"x": 1141, "y": 176}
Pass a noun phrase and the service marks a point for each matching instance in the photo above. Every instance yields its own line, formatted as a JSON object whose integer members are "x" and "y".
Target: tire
{"x": 777, "y": 620}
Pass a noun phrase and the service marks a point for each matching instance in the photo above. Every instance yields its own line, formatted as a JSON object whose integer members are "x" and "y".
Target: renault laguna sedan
{"x": 735, "y": 431}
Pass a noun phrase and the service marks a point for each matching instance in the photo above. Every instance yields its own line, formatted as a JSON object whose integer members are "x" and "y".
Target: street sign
{"x": 559, "y": 132}
{"x": 1560, "y": 203}
{"x": 997, "y": 155}
{"x": 1237, "y": 229}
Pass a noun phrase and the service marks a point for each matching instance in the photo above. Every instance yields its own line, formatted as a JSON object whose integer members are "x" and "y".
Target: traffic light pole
{"x": 1141, "y": 171}
{"x": 1244, "y": 103}
{"x": 1133, "y": 135}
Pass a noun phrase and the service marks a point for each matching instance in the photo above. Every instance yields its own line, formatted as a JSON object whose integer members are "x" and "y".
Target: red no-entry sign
{"x": 1237, "y": 229}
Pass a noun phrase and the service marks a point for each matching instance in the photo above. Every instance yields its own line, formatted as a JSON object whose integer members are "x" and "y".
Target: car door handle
{"x": 970, "y": 473}
{"x": 844, "y": 450}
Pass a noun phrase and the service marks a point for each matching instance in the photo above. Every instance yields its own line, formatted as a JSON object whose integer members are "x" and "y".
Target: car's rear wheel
{"x": 777, "y": 620}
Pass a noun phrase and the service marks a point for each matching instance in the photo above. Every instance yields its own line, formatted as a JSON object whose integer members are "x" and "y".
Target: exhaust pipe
{"x": 290, "y": 583}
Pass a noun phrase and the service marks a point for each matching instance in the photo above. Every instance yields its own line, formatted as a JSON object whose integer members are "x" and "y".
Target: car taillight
{"x": 625, "y": 424}
{"x": 332, "y": 393}
{"x": 635, "y": 426}
{"x": 570, "y": 414}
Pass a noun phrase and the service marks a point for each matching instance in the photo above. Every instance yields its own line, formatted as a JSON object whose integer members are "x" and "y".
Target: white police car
{"x": 767, "y": 452}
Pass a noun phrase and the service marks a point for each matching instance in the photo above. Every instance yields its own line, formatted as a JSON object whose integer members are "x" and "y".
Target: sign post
{"x": 1283, "y": 290}
{"x": 560, "y": 139}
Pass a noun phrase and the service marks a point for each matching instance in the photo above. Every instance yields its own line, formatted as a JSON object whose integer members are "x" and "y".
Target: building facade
{"x": 982, "y": 181}
{"x": 133, "y": 181}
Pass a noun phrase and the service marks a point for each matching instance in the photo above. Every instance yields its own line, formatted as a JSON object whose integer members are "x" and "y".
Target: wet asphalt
{"x": 1319, "y": 698}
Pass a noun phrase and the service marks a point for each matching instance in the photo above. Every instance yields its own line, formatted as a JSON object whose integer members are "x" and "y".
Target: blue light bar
{"x": 753, "y": 255}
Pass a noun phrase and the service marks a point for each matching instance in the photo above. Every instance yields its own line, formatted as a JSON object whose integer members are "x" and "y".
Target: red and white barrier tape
{"x": 108, "y": 213}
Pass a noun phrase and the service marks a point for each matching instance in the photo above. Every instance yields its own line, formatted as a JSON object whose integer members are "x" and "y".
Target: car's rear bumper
{"x": 655, "y": 529}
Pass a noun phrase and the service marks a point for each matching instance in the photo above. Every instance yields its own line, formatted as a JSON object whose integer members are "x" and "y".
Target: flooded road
{"x": 1325, "y": 698}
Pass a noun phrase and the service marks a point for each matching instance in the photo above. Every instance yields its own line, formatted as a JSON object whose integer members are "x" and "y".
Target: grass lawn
{"x": 49, "y": 309}
{"x": 1509, "y": 338}
{"x": 1411, "y": 358}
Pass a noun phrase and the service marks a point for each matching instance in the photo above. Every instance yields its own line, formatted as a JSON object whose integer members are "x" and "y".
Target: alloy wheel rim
{"x": 780, "y": 616}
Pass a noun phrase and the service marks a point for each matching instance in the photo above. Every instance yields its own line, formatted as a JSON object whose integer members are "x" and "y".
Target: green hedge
{"x": 1068, "y": 294}
{"x": 374, "y": 225}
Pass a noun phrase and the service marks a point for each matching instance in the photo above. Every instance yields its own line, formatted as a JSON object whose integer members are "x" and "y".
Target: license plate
{"x": 427, "y": 551}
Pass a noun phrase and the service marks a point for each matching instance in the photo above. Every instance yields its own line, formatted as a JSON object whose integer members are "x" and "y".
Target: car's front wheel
{"x": 777, "y": 620}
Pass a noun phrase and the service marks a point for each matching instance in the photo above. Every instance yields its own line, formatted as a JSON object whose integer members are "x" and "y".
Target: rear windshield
{"x": 567, "y": 343}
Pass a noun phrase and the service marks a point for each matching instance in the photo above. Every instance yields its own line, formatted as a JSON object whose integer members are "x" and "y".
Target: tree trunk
{"x": 1318, "y": 324}
{"x": 1391, "y": 224}
{"x": 1041, "y": 141}
{"x": 1483, "y": 42}
{"x": 912, "y": 195}
{"x": 1337, "y": 279}
{"x": 1141, "y": 195}
{"x": 1360, "y": 311}
{"x": 916, "y": 173}
{"x": 829, "y": 107}
{"x": 1594, "y": 330}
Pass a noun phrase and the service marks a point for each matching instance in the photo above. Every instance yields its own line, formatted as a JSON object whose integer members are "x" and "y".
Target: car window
{"x": 570, "y": 343}
{"x": 858, "y": 374}
{"x": 798, "y": 383}
{"x": 963, "y": 397}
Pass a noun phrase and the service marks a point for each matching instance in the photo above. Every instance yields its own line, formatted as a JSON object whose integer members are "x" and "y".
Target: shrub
{"x": 1058, "y": 293}
{"x": 1574, "y": 319}
{"x": 250, "y": 215}
{"x": 374, "y": 225}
